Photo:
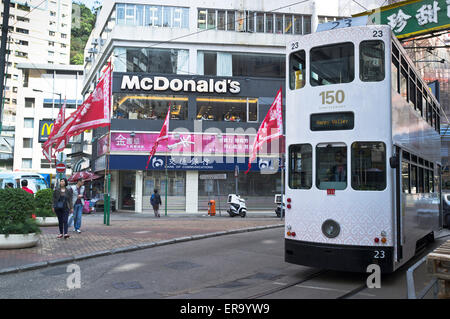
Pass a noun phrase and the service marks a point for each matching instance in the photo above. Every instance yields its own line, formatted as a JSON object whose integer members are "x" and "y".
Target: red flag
{"x": 47, "y": 147}
{"x": 94, "y": 112}
{"x": 271, "y": 128}
{"x": 96, "y": 109}
{"x": 163, "y": 135}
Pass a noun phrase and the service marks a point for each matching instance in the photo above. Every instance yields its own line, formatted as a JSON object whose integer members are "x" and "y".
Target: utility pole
{"x": 5, "y": 29}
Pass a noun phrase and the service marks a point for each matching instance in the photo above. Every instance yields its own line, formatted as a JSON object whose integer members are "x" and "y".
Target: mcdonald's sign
{"x": 45, "y": 127}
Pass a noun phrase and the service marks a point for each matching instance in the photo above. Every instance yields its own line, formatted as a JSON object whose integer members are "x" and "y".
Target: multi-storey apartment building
{"x": 46, "y": 88}
{"x": 218, "y": 65}
{"x": 39, "y": 33}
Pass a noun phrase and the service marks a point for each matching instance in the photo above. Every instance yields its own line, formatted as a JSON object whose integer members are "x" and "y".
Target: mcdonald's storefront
{"x": 212, "y": 125}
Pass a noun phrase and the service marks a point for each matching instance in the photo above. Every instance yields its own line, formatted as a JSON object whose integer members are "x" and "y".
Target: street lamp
{"x": 60, "y": 100}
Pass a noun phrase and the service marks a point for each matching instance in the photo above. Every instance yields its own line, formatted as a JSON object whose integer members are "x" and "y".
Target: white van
{"x": 35, "y": 181}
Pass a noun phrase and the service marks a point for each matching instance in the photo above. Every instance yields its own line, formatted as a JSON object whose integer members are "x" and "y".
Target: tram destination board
{"x": 332, "y": 121}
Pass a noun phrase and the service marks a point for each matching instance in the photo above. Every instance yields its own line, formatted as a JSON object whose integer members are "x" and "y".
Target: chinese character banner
{"x": 414, "y": 17}
{"x": 180, "y": 143}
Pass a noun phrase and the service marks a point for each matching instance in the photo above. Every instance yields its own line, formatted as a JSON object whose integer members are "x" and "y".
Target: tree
{"x": 83, "y": 21}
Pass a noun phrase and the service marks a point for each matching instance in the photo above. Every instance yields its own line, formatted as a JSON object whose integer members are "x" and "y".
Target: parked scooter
{"x": 237, "y": 206}
{"x": 278, "y": 201}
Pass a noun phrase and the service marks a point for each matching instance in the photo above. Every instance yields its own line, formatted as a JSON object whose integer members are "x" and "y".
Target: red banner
{"x": 94, "y": 112}
{"x": 270, "y": 129}
{"x": 163, "y": 135}
{"x": 46, "y": 147}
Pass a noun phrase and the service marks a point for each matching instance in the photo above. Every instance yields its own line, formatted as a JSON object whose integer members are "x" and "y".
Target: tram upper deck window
{"x": 369, "y": 166}
{"x": 371, "y": 61}
{"x": 331, "y": 166}
{"x": 332, "y": 64}
{"x": 300, "y": 166}
{"x": 297, "y": 66}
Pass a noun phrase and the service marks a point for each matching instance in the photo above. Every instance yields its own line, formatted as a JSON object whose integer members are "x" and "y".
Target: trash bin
{"x": 212, "y": 208}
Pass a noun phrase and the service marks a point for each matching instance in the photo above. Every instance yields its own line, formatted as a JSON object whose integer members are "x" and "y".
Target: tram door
{"x": 401, "y": 172}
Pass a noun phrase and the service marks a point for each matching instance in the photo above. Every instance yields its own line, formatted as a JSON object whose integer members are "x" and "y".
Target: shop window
{"x": 240, "y": 64}
{"x": 300, "y": 166}
{"x": 166, "y": 61}
{"x": 227, "y": 109}
{"x": 157, "y": 180}
{"x": 149, "y": 107}
{"x": 331, "y": 166}
{"x": 269, "y": 22}
{"x": 247, "y": 184}
{"x": 201, "y": 19}
{"x": 368, "y": 166}
{"x": 288, "y": 29}
{"x": 297, "y": 24}
{"x": 260, "y": 22}
{"x": 27, "y": 143}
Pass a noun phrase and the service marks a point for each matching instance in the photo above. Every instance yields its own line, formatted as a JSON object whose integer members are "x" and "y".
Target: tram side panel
{"x": 419, "y": 211}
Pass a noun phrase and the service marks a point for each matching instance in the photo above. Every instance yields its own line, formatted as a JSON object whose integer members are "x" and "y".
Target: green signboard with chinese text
{"x": 413, "y": 17}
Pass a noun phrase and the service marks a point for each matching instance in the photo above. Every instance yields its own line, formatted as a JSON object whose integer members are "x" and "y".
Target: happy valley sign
{"x": 162, "y": 83}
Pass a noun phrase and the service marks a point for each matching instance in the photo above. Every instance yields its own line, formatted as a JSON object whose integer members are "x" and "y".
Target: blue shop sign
{"x": 197, "y": 163}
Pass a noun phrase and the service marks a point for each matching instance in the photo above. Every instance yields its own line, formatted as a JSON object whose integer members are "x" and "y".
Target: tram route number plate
{"x": 331, "y": 191}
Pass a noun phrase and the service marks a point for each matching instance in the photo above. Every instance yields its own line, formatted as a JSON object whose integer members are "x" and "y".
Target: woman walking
{"x": 62, "y": 205}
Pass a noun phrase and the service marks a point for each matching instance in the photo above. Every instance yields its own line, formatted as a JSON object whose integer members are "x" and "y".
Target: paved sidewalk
{"x": 127, "y": 232}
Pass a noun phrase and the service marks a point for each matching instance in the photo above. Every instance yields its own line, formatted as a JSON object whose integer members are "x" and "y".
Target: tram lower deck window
{"x": 369, "y": 166}
{"x": 331, "y": 166}
{"x": 300, "y": 166}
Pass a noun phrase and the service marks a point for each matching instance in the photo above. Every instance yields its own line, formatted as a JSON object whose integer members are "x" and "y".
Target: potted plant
{"x": 44, "y": 213}
{"x": 17, "y": 228}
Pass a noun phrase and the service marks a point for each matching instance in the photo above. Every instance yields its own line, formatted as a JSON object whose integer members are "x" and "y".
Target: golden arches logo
{"x": 49, "y": 128}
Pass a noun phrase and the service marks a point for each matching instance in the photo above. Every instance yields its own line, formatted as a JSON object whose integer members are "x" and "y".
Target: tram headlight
{"x": 330, "y": 228}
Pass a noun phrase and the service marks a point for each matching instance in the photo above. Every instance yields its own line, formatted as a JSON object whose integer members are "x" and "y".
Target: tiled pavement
{"x": 125, "y": 230}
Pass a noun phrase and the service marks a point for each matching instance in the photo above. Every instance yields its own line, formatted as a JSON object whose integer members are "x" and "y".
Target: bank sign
{"x": 45, "y": 128}
{"x": 146, "y": 84}
{"x": 412, "y": 18}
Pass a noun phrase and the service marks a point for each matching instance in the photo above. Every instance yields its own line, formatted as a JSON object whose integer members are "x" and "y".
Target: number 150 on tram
{"x": 363, "y": 152}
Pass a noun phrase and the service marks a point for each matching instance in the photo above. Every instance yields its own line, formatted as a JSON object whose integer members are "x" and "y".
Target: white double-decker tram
{"x": 363, "y": 152}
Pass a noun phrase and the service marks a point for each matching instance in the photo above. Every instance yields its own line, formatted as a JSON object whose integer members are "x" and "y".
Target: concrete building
{"x": 219, "y": 65}
{"x": 39, "y": 32}
{"x": 45, "y": 90}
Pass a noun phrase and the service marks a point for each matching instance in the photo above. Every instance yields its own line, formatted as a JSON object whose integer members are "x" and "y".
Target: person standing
{"x": 78, "y": 203}
{"x": 24, "y": 184}
{"x": 155, "y": 201}
{"x": 62, "y": 205}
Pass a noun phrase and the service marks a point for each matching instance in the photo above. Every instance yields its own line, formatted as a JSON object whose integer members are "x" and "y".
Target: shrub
{"x": 16, "y": 208}
{"x": 44, "y": 200}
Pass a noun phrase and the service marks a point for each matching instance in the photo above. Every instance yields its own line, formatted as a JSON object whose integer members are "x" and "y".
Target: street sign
{"x": 236, "y": 171}
{"x": 214, "y": 176}
{"x": 60, "y": 167}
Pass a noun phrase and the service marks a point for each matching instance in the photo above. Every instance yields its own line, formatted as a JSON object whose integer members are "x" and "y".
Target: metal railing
{"x": 411, "y": 287}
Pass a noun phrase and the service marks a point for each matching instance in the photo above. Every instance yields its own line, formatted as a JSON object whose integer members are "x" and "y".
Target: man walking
{"x": 78, "y": 203}
{"x": 24, "y": 184}
{"x": 155, "y": 201}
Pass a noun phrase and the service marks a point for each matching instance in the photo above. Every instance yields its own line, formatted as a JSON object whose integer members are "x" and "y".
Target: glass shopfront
{"x": 176, "y": 188}
{"x": 127, "y": 190}
{"x": 149, "y": 107}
